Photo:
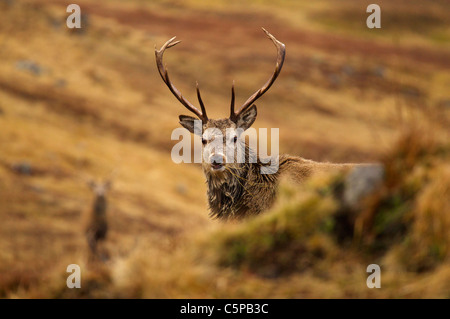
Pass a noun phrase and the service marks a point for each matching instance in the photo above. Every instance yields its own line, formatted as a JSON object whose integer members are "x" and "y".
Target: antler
{"x": 281, "y": 49}
{"x": 165, "y": 76}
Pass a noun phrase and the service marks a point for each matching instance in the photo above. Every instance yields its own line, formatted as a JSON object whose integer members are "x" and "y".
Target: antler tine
{"x": 281, "y": 53}
{"x": 165, "y": 76}
{"x": 232, "y": 114}
{"x": 200, "y": 100}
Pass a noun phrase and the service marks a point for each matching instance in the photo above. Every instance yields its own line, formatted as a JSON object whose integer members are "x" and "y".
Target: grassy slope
{"x": 99, "y": 105}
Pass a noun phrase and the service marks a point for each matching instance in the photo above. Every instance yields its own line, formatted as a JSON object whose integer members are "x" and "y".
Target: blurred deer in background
{"x": 96, "y": 227}
{"x": 237, "y": 188}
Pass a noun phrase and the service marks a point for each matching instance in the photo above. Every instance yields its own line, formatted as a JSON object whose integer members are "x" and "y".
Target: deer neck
{"x": 232, "y": 193}
{"x": 100, "y": 206}
{"x": 226, "y": 190}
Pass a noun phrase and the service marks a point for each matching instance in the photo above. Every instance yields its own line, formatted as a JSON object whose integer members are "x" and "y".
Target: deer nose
{"x": 217, "y": 160}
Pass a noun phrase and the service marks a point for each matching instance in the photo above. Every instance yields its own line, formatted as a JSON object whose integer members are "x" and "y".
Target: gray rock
{"x": 30, "y": 66}
{"x": 8, "y": 3}
{"x": 380, "y": 71}
{"x": 348, "y": 69}
{"x": 411, "y": 92}
{"x": 60, "y": 83}
{"x": 334, "y": 80}
{"x": 23, "y": 168}
{"x": 360, "y": 182}
{"x": 56, "y": 23}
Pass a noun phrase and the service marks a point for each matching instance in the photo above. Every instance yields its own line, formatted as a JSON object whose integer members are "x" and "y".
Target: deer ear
{"x": 246, "y": 119}
{"x": 189, "y": 123}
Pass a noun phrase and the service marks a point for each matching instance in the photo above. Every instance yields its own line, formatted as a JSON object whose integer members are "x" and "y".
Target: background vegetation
{"x": 80, "y": 104}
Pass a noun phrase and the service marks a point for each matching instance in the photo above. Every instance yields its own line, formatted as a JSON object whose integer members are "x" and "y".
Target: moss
{"x": 280, "y": 240}
{"x": 389, "y": 219}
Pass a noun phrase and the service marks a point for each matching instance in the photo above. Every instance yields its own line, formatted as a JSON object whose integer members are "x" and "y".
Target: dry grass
{"x": 93, "y": 101}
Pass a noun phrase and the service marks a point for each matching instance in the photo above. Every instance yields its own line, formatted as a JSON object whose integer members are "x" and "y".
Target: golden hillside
{"x": 81, "y": 104}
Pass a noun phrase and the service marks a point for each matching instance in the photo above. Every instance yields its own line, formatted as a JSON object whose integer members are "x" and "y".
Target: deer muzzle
{"x": 217, "y": 162}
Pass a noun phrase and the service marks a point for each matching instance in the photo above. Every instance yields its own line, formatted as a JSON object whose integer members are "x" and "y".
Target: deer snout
{"x": 217, "y": 161}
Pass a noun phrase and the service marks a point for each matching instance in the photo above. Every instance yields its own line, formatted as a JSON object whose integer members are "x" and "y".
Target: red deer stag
{"x": 237, "y": 188}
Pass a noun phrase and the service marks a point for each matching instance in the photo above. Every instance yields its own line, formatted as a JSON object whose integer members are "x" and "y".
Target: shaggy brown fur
{"x": 241, "y": 190}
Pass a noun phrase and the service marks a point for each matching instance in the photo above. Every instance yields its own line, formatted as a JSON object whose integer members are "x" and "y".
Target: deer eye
{"x": 203, "y": 141}
{"x": 235, "y": 139}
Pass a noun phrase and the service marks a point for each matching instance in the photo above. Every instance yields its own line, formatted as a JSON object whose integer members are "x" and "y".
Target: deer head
{"x": 100, "y": 189}
{"x": 220, "y": 135}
